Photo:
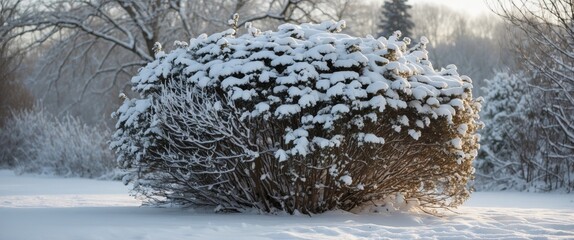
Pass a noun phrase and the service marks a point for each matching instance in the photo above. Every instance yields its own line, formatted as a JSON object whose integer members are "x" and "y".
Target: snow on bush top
{"x": 315, "y": 74}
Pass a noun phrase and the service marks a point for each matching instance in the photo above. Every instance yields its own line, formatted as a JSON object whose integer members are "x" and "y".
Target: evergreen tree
{"x": 514, "y": 151}
{"x": 395, "y": 16}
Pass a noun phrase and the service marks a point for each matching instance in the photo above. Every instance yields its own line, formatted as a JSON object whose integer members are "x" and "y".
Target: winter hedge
{"x": 304, "y": 119}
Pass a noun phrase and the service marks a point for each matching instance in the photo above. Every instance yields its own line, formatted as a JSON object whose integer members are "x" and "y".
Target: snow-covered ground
{"x": 33, "y": 207}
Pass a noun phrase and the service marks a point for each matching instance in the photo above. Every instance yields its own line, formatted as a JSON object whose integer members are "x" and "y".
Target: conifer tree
{"x": 395, "y": 16}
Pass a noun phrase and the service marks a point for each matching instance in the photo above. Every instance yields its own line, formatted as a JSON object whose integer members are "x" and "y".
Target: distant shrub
{"x": 300, "y": 120}
{"x": 35, "y": 142}
{"x": 516, "y": 151}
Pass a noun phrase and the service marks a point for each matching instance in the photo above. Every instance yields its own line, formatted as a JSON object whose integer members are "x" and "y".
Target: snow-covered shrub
{"x": 36, "y": 142}
{"x": 515, "y": 147}
{"x": 502, "y": 115}
{"x": 304, "y": 119}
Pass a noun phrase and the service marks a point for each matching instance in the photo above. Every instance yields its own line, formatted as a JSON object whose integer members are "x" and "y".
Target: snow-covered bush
{"x": 515, "y": 146}
{"x": 36, "y": 142}
{"x": 304, "y": 119}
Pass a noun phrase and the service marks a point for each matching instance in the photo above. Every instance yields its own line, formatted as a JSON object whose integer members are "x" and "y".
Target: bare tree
{"x": 362, "y": 17}
{"x": 93, "y": 46}
{"x": 13, "y": 95}
{"x": 546, "y": 47}
{"x": 137, "y": 25}
{"x": 456, "y": 36}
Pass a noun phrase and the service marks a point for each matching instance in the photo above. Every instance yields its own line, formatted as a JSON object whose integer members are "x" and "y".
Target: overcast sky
{"x": 473, "y": 7}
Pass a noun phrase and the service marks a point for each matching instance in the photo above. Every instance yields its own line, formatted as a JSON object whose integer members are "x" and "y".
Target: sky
{"x": 472, "y": 7}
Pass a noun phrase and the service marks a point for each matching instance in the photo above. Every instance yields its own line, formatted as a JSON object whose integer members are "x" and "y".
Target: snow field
{"x": 33, "y": 207}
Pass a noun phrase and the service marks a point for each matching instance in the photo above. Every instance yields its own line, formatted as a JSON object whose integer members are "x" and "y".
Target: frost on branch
{"x": 302, "y": 119}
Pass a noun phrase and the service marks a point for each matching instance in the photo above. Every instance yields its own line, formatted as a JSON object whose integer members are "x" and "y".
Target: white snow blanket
{"x": 34, "y": 207}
